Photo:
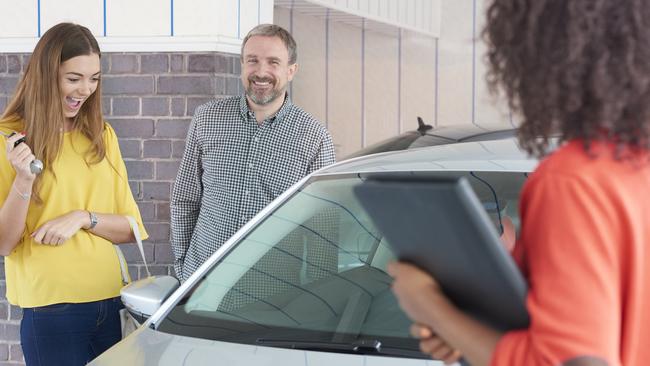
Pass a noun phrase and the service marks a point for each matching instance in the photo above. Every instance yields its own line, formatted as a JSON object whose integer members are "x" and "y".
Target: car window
{"x": 315, "y": 269}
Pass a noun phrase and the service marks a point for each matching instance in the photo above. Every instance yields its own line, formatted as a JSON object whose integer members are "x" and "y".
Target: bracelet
{"x": 93, "y": 220}
{"x": 23, "y": 196}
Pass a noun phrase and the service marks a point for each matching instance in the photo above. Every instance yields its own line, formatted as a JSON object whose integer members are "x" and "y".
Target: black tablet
{"x": 439, "y": 225}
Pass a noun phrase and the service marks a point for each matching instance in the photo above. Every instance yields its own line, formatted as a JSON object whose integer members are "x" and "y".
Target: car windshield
{"x": 314, "y": 270}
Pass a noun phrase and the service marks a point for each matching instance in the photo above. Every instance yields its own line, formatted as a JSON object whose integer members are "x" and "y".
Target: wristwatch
{"x": 93, "y": 220}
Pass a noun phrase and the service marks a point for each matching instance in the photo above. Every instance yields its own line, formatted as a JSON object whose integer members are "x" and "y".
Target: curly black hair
{"x": 573, "y": 68}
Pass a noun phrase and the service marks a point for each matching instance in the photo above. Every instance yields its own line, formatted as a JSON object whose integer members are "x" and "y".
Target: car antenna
{"x": 423, "y": 128}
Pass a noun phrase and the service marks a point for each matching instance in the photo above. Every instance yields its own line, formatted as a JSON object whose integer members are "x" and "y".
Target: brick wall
{"x": 149, "y": 99}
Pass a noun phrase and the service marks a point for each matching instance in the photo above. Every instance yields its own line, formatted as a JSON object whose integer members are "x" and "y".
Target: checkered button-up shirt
{"x": 233, "y": 167}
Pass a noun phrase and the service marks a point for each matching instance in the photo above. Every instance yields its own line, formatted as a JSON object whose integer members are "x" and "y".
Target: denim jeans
{"x": 69, "y": 334}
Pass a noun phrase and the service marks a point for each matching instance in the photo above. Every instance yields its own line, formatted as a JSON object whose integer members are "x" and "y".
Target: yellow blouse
{"x": 85, "y": 268}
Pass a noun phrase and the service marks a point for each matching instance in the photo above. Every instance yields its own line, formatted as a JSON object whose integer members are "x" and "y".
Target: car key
{"x": 36, "y": 166}
{"x": 19, "y": 141}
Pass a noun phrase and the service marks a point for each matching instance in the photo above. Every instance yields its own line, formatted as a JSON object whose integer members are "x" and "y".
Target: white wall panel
{"x": 411, "y": 13}
{"x": 195, "y": 17}
{"x": 345, "y": 88}
{"x": 248, "y": 16}
{"x": 398, "y": 13}
{"x": 21, "y": 21}
{"x": 141, "y": 18}
{"x": 89, "y": 13}
{"x": 228, "y": 18}
{"x": 364, "y": 6}
{"x": 382, "y": 8}
{"x": 402, "y": 8}
{"x": 266, "y": 11}
{"x": 489, "y": 109}
{"x": 310, "y": 84}
{"x": 418, "y": 80}
{"x": 393, "y": 10}
{"x": 455, "y": 71}
{"x": 381, "y": 86}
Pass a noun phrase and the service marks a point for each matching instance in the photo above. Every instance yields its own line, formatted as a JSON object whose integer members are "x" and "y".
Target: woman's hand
{"x": 57, "y": 231}
{"x": 20, "y": 157}
{"x": 415, "y": 290}
{"x": 422, "y": 299}
{"x": 433, "y": 345}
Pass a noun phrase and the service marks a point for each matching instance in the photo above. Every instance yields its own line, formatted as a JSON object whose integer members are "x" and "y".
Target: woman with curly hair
{"x": 579, "y": 70}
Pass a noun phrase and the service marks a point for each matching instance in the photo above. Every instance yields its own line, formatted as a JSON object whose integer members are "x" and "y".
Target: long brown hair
{"x": 578, "y": 68}
{"x": 37, "y": 100}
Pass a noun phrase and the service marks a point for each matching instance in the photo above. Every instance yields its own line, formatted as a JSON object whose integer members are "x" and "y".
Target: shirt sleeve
{"x": 569, "y": 233}
{"x": 325, "y": 154}
{"x": 126, "y": 204}
{"x": 7, "y": 173}
{"x": 186, "y": 197}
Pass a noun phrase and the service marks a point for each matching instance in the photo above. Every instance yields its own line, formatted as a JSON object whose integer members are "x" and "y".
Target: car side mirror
{"x": 143, "y": 297}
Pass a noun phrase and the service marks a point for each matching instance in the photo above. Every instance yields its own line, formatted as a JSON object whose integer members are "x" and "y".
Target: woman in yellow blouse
{"x": 57, "y": 228}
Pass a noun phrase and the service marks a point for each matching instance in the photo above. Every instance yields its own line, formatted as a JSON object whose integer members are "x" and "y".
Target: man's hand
{"x": 58, "y": 231}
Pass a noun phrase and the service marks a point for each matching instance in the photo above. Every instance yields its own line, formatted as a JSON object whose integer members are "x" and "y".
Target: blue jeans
{"x": 69, "y": 334}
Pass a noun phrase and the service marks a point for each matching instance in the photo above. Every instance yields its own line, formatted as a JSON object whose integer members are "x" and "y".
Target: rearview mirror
{"x": 143, "y": 297}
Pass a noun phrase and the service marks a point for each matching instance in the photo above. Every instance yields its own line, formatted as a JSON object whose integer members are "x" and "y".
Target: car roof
{"x": 472, "y": 132}
{"x": 494, "y": 155}
{"x": 427, "y": 135}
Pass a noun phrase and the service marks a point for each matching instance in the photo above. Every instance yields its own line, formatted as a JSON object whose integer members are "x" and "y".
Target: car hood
{"x": 148, "y": 347}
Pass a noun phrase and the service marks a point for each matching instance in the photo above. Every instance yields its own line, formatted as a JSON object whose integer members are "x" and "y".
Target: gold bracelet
{"x": 23, "y": 196}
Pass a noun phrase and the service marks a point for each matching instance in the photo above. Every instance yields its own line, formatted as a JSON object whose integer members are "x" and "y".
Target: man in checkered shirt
{"x": 242, "y": 152}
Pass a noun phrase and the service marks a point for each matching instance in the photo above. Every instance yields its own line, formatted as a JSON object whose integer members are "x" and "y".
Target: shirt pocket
{"x": 217, "y": 167}
{"x": 285, "y": 167}
{"x": 52, "y": 309}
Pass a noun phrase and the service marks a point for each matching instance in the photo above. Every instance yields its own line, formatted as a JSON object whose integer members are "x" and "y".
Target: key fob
{"x": 19, "y": 141}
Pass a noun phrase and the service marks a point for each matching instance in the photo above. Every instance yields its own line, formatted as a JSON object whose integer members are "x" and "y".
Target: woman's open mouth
{"x": 73, "y": 103}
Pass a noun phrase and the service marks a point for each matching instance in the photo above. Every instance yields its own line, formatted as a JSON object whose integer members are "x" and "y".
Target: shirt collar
{"x": 279, "y": 116}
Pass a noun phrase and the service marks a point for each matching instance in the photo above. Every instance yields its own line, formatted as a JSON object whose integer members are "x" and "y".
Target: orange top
{"x": 585, "y": 250}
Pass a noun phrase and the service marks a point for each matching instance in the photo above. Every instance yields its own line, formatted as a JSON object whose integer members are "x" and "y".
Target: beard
{"x": 263, "y": 97}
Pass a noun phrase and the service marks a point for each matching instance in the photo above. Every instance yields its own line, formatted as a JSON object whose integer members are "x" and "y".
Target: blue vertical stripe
{"x": 327, "y": 67}
{"x": 171, "y": 27}
{"x": 239, "y": 19}
{"x": 104, "y": 18}
{"x": 474, "y": 62}
{"x": 38, "y": 18}
{"x": 363, "y": 82}
{"x": 399, "y": 80}
{"x": 435, "y": 91}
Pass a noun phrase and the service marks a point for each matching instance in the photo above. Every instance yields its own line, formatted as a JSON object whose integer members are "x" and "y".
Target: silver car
{"x": 305, "y": 282}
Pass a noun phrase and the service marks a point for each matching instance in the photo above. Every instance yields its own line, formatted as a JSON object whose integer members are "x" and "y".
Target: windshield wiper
{"x": 365, "y": 347}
